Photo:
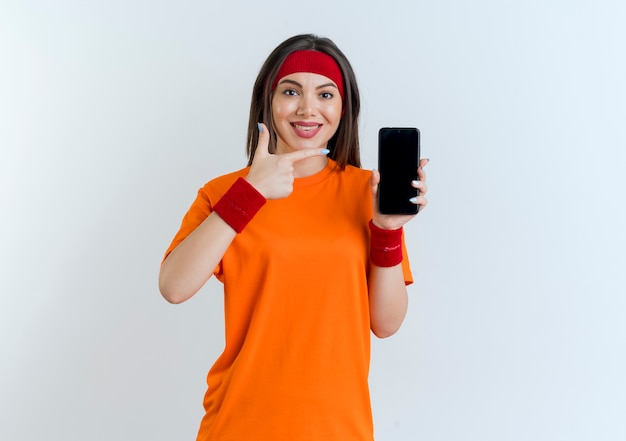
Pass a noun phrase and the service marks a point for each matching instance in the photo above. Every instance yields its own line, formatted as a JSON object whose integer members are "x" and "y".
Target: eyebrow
{"x": 321, "y": 86}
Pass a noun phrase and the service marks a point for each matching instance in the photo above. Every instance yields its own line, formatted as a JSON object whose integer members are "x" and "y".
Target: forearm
{"x": 388, "y": 299}
{"x": 191, "y": 263}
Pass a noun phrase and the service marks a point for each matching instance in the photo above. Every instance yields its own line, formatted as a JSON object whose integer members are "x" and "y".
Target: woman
{"x": 308, "y": 264}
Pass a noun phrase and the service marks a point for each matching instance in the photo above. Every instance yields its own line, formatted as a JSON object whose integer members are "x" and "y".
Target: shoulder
{"x": 356, "y": 174}
{"x": 356, "y": 171}
{"x": 220, "y": 184}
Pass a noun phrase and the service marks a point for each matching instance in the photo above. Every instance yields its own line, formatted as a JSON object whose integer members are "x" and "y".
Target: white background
{"x": 113, "y": 114}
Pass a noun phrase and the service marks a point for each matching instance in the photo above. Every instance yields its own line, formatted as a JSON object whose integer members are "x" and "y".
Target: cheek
{"x": 334, "y": 112}
{"x": 282, "y": 108}
{"x": 279, "y": 116}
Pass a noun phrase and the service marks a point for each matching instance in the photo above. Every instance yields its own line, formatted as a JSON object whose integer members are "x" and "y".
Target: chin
{"x": 298, "y": 144}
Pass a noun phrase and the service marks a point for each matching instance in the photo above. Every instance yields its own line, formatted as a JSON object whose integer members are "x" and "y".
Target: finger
{"x": 304, "y": 154}
{"x": 374, "y": 180}
{"x": 421, "y": 201}
{"x": 262, "y": 147}
{"x": 424, "y": 162}
{"x": 421, "y": 174}
{"x": 420, "y": 185}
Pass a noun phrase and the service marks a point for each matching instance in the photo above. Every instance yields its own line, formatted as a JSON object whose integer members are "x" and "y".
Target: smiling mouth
{"x": 306, "y": 128}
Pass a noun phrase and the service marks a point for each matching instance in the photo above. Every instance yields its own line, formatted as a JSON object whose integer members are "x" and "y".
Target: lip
{"x": 305, "y": 129}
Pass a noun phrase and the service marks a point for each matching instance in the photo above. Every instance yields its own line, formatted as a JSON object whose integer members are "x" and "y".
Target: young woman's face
{"x": 306, "y": 109}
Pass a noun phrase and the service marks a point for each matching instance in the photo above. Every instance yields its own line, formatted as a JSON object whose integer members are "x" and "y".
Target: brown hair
{"x": 344, "y": 145}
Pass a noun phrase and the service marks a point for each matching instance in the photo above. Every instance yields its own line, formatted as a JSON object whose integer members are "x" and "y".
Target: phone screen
{"x": 398, "y": 159}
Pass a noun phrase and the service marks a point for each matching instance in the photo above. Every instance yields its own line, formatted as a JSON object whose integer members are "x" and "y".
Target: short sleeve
{"x": 406, "y": 266}
{"x": 197, "y": 213}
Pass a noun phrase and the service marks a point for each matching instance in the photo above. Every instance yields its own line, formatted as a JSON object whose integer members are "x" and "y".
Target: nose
{"x": 306, "y": 105}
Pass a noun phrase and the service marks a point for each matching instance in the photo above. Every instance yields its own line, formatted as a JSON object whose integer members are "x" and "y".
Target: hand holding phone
{"x": 398, "y": 160}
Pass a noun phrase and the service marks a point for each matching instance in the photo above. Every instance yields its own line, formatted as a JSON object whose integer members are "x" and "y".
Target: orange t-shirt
{"x": 296, "y": 360}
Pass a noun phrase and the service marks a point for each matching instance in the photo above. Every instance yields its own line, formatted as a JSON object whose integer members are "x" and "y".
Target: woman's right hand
{"x": 271, "y": 174}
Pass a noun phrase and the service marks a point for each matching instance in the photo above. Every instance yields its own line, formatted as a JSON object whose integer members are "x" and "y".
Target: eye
{"x": 290, "y": 92}
{"x": 326, "y": 95}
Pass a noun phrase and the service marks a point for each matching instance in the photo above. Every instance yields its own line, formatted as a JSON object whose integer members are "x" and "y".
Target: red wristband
{"x": 385, "y": 246}
{"x": 239, "y": 204}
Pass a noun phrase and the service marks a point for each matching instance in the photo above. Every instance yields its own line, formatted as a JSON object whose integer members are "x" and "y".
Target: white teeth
{"x": 305, "y": 128}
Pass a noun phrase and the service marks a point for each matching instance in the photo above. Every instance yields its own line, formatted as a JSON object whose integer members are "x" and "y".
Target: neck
{"x": 310, "y": 166}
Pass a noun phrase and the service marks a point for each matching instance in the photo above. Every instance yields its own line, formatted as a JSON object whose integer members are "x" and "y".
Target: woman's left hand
{"x": 395, "y": 221}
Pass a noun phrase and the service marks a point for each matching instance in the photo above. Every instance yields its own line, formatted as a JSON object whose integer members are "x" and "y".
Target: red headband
{"x": 314, "y": 62}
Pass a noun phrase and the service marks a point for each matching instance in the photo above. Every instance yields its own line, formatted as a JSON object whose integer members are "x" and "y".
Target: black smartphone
{"x": 398, "y": 159}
